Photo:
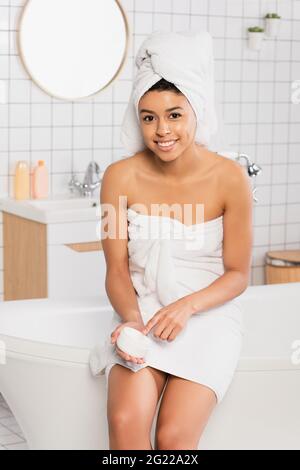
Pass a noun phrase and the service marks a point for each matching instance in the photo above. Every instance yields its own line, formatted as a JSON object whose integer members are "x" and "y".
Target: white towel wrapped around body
{"x": 168, "y": 261}
{"x": 184, "y": 59}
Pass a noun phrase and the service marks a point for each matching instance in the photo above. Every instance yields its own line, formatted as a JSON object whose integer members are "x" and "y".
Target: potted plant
{"x": 255, "y": 36}
{"x": 272, "y": 24}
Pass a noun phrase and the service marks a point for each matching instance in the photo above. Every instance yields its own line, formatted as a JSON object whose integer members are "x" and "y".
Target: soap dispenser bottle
{"x": 22, "y": 181}
{"x": 40, "y": 183}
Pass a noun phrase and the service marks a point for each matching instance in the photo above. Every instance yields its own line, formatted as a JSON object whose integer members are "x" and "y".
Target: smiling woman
{"x": 163, "y": 129}
{"x": 165, "y": 144}
{"x": 178, "y": 283}
{"x": 171, "y": 57}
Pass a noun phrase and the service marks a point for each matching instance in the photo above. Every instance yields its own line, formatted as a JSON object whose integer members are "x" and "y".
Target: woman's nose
{"x": 162, "y": 130}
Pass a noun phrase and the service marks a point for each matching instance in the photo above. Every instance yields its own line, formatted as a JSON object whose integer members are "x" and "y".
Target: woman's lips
{"x": 166, "y": 148}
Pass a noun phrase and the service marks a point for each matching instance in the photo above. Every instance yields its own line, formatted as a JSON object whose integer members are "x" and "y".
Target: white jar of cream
{"x": 133, "y": 342}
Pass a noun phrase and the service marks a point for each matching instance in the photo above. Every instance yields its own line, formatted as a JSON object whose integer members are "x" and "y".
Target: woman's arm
{"x": 237, "y": 242}
{"x": 122, "y": 295}
{"x": 114, "y": 239}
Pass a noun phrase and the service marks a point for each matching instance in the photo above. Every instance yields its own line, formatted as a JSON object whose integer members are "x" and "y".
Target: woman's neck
{"x": 184, "y": 166}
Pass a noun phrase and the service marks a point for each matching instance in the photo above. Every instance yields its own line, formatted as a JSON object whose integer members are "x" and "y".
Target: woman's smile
{"x": 167, "y": 146}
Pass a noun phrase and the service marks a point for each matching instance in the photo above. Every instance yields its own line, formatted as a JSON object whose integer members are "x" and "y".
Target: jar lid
{"x": 283, "y": 258}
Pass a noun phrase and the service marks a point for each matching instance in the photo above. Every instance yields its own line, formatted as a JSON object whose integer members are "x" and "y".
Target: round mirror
{"x": 73, "y": 48}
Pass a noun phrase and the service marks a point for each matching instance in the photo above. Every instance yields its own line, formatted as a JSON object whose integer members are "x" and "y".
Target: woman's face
{"x": 166, "y": 116}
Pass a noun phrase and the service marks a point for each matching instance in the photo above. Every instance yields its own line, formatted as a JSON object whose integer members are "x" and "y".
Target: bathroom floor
{"x": 11, "y": 437}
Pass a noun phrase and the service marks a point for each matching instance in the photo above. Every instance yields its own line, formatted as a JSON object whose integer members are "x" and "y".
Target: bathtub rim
{"x": 29, "y": 350}
{"x": 16, "y": 344}
{"x": 44, "y": 350}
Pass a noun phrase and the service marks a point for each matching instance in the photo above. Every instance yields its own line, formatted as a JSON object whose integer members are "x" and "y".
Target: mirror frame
{"x": 42, "y": 87}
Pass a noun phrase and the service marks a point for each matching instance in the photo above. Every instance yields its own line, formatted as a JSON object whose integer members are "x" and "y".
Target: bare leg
{"x": 184, "y": 411}
{"x": 131, "y": 405}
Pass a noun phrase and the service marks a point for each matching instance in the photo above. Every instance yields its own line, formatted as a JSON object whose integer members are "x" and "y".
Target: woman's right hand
{"x": 114, "y": 336}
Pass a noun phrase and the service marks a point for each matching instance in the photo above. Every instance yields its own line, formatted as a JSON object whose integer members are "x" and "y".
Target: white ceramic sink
{"x": 59, "y": 209}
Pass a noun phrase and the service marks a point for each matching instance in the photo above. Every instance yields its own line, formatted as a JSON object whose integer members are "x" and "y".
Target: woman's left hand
{"x": 169, "y": 320}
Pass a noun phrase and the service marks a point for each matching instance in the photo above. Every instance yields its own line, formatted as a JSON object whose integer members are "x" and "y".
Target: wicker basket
{"x": 282, "y": 266}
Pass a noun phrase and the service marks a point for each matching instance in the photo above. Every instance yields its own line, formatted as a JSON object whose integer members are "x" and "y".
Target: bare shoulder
{"x": 233, "y": 175}
{"x": 120, "y": 172}
{"x": 225, "y": 163}
{"x": 236, "y": 183}
{"x": 120, "y": 168}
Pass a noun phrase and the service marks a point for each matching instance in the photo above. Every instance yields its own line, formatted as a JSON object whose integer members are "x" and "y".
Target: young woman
{"x": 183, "y": 295}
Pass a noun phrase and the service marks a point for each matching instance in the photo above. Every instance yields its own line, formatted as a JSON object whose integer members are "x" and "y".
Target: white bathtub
{"x": 47, "y": 383}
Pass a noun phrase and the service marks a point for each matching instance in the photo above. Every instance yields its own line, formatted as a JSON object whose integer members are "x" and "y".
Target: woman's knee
{"x": 124, "y": 420}
{"x": 169, "y": 437}
{"x": 132, "y": 397}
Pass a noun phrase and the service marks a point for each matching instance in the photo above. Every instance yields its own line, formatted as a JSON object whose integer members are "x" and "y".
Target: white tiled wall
{"x": 254, "y": 89}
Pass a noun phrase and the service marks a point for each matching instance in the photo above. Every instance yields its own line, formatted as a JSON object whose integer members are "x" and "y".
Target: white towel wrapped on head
{"x": 184, "y": 59}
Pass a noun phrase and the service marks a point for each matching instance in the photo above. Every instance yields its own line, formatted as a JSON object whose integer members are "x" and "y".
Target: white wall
{"x": 254, "y": 89}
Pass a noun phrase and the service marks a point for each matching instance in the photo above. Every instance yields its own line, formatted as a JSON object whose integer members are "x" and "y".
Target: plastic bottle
{"x": 31, "y": 180}
{"x": 22, "y": 181}
{"x": 40, "y": 183}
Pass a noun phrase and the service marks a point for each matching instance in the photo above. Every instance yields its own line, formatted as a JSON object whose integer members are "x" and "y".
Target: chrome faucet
{"x": 253, "y": 170}
{"x": 89, "y": 184}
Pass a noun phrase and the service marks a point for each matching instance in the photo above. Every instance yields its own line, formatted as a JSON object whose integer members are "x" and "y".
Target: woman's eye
{"x": 146, "y": 118}
{"x": 172, "y": 114}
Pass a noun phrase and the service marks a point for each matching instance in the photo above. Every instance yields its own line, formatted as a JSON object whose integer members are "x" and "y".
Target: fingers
{"x": 146, "y": 330}
{"x": 127, "y": 357}
{"x": 114, "y": 336}
{"x": 150, "y": 324}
